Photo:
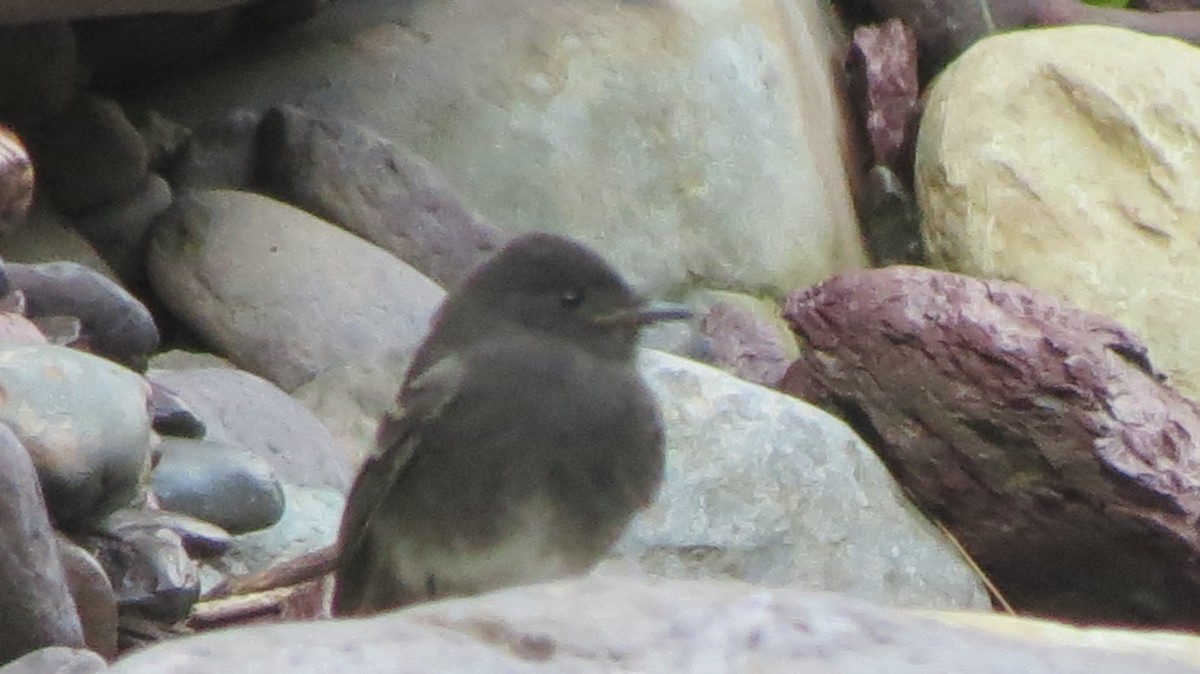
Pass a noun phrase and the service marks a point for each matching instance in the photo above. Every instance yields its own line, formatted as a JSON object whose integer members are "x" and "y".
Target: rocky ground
{"x": 944, "y": 258}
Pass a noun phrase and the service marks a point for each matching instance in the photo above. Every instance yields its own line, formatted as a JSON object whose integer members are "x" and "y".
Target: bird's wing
{"x": 422, "y": 400}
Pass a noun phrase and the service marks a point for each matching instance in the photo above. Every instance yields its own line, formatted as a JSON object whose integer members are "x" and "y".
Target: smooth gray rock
{"x": 239, "y": 408}
{"x": 281, "y": 293}
{"x": 310, "y": 522}
{"x": 663, "y": 627}
{"x": 226, "y": 485}
{"x": 690, "y": 142}
{"x": 173, "y": 416}
{"x": 36, "y": 608}
{"x": 94, "y": 597}
{"x": 386, "y": 194}
{"x": 765, "y": 488}
{"x": 350, "y": 400}
{"x": 114, "y": 323}
{"x": 85, "y": 422}
{"x": 56, "y": 660}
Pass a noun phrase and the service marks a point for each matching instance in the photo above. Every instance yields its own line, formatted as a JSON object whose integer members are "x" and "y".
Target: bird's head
{"x": 558, "y": 288}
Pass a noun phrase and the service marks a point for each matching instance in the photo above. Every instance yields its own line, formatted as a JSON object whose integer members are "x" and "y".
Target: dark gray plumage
{"x": 525, "y": 439}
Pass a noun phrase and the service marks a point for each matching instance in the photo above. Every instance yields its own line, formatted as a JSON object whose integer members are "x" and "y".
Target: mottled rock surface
{"x": 767, "y": 489}
{"x": 1053, "y": 158}
{"x": 883, "y": 65}
{"x": 746, "y": 337}
{"x": 85, "y": 422}
{"x": 1036, "y": 432}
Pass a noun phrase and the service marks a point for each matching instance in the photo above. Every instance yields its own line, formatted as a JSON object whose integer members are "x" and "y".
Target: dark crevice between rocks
{"x": 857, "y": 418}
{"x": 1136, "y": 356}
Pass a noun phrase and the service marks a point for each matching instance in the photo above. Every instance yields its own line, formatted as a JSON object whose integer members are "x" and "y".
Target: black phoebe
{"x": 525, "y": 441}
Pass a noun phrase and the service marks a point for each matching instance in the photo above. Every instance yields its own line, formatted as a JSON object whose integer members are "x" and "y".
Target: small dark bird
{"x": 525, "y": 439}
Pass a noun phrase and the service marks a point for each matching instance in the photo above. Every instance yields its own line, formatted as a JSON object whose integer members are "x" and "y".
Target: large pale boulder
{"x": 766, "y": 488}
{"x": 687, "y": 141}
{"x": 1066, "y": 159}
{"x": 593, "y": 625}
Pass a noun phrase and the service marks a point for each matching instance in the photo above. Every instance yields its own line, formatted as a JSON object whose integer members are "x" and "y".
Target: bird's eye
{"x": 572, "y": 298}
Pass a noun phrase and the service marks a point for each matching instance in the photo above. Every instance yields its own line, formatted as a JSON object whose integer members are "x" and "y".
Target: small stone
{"x": 220, "y": 154}
{"x": 747, "y": 337}
{"x": 310, "y": 522}
{"x": 883, "y": 65}
{"x": 200, "y": 539}
{"x": 943, "y": 28}
{"x": 173, "y": 416}
{"x": 36, "y": 608}
{"x": 94, "y": 597}
{"x": 218, "y": 483}
{"x": 16, "y": 180}
{"x": 149, "y": 568}
{"x": 297, "y": 446}
{"x": 115, "y": 324}
{"x": 85, "y": 422}
{"x": 385, "y": 194}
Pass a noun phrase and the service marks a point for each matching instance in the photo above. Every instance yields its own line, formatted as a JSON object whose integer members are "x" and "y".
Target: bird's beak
{"x": 644, "y": 314}
{"x": 653, "y": 312}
